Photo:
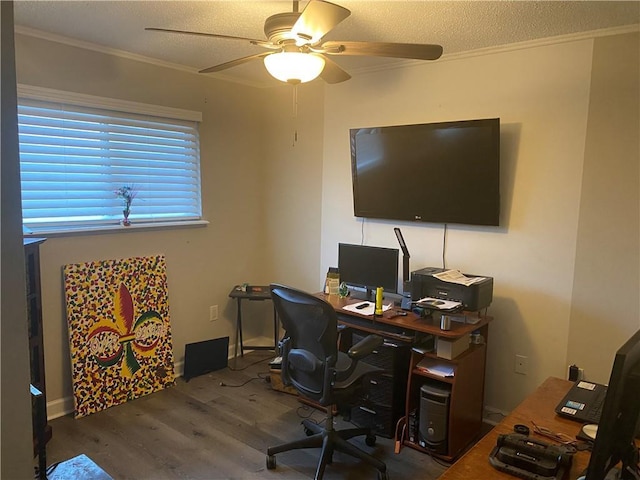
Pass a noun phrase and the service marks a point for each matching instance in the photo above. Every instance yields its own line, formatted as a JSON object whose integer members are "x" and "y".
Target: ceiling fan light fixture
{"x": 294, "y": 67}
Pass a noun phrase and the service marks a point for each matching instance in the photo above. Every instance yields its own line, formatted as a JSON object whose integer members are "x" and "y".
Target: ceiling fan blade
{"x": 382, "y": 49}
{"x": 214, "y": 35}
{"x": 233, "y": 63}
{"x": 332, "y": 73}
{"x": 318, "y": 18}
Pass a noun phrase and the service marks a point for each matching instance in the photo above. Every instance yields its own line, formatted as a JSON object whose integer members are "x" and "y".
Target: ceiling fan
{"x": 297, "y": 53}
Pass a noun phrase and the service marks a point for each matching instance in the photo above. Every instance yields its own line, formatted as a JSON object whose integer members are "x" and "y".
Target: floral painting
{"x": 119, "y": 331}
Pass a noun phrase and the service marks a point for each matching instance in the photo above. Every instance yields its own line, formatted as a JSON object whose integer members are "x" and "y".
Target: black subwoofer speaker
{"x": 204, "y": 357}
{"x": 434, "y": 417}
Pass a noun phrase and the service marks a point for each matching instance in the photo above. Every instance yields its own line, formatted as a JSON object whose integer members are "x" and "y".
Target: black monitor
{"x": 618, "y": 424}
{"x": 365, "y": 268}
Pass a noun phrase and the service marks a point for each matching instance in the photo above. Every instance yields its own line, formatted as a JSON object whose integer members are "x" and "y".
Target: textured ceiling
{"x": 459, "y": 26}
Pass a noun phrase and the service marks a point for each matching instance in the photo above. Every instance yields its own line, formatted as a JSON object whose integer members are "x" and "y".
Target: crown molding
{"x": 510, "y": 47}
{"x": 572, "y": 37}
{"x": 72, "y": 42}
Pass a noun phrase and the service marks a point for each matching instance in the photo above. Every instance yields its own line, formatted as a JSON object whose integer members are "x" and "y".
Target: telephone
{"x": 530, "y": 459}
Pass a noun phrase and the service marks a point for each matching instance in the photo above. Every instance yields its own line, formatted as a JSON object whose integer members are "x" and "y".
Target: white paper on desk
{"x": 439, "y": 369}
{"x": 429, "y": 302}
{"x": 368, "y": 310}
{"x": 455, "y": 276}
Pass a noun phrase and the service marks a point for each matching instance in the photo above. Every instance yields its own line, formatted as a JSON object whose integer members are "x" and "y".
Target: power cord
{"x": 249, "y": 365}
{"x": 444, "y": 247}
{"x": 303, "y": 408}
{"x": 260, "y": 376}
{"x": 222, "y": 384}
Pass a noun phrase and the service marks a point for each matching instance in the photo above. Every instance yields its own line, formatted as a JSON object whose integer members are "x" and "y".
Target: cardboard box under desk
{"x": 450, "y": 349}
{"x": 276, "y": 382}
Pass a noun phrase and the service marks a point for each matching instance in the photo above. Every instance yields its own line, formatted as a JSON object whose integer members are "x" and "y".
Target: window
{"x": 77, "y": 150}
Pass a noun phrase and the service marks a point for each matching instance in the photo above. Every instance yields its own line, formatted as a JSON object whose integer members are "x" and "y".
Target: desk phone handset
{"x": 527, "y": 458}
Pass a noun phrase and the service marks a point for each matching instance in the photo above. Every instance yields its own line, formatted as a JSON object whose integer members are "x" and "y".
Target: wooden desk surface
{"x": 411, "y": 321}
{"x": 539, "y": 407}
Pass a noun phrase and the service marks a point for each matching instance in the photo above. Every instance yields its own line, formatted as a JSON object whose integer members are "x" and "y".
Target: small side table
{"x": 253, "y": 293}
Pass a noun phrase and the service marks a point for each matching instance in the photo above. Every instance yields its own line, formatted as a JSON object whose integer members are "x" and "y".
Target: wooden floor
{"x": 204, "y": 430}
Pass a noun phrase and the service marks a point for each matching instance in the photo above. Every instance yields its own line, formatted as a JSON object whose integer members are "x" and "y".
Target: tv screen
{"x": 368, "y": 267}
{"x": 445, "y": 172}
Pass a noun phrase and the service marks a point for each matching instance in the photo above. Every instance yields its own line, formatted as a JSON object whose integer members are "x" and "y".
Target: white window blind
{"x": 74, "y": 157}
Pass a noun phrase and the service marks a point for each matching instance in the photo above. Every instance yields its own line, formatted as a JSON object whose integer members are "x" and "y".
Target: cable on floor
{"x": 249, "y": 365}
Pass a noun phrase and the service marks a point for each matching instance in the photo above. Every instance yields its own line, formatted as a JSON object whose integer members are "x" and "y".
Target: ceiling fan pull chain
{"x": 295, "y": 114}
{"x": 295, "y": 101}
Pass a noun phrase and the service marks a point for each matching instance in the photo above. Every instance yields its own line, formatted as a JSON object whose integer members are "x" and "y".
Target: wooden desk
{"x": 410, "y": 322}
{"x": 466, "y": 386}
{"x": 539, "y": 407}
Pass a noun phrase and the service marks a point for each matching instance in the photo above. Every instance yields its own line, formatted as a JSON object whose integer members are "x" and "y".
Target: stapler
{"x": 530, "y": 459}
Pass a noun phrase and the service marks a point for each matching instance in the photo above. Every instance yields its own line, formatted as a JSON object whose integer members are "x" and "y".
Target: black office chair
{"x": 312, "y": 363}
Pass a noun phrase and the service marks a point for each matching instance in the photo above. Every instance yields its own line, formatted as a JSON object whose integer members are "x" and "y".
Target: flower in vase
{"x": 127, "y": 193}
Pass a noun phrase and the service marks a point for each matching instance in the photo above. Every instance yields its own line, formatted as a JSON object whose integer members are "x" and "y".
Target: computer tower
{"x": 434, "y": 417}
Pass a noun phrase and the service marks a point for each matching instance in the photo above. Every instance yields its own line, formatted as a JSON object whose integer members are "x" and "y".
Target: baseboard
{"x": 64, "y": 406}
{"x": 59, "y": 408}
{"x": 492, "y": 415}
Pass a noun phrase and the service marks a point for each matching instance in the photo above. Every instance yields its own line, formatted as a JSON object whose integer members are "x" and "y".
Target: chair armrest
{"x": 365, "y": 347}
{"x": 285, "y": 347}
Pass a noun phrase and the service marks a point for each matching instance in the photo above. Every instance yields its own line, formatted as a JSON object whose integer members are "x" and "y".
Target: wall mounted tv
{"x": 446, "y": 172}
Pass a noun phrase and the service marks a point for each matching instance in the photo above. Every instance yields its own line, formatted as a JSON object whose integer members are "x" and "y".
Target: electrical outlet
{"x": 522, "y": 365}
{"x": 213, "y": 313}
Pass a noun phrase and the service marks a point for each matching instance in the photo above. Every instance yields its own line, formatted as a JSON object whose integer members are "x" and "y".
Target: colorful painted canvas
{"x": 119, "y": 331}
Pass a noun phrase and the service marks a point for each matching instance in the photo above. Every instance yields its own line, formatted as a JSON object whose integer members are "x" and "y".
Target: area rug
{"x": 119, "y": 331}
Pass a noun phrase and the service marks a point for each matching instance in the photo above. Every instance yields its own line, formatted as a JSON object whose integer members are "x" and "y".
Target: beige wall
{"x": 542, "y": 95}
{"x": 294, "y": 177}
{"x": 605, "y": 305}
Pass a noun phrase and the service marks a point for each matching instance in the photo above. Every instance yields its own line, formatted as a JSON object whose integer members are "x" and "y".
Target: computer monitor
{"x": 364, "y": 268}
{"x": 618, "y": 424}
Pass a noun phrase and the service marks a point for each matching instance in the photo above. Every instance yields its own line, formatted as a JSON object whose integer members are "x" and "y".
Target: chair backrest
{"x": 309, "y": 349}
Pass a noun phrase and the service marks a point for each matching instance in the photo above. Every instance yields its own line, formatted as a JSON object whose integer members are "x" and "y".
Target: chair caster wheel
{"x": 308, "y": 432}
{"x": 383, "y": 475}
{"x": 271, "y": 462}
{"x": 370, "y": 440}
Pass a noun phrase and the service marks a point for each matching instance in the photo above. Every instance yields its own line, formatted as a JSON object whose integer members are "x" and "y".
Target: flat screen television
{"x": 446, "y": 172}
{"x": 618, "y": 426}
{"x": 364, "y": 268}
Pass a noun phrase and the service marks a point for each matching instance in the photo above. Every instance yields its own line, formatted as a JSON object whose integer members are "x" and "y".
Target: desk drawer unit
{"x": 385, "y": 395}
{"x": 380, "y": 419}
{"x": 381, "y": 390}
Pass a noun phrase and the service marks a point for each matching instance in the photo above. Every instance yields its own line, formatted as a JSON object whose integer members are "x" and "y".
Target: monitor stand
{"x": 628, "y": 468}
{"x": 617, "y": 474}
{"x": 361, "y": 293}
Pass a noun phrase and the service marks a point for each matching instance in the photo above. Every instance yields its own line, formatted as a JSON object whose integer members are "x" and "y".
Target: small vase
{"x": 125, "y": 221}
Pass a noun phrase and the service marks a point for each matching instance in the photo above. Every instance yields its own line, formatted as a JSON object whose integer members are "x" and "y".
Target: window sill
{"x": 109, "y": 229}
